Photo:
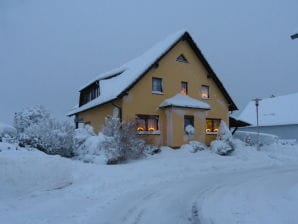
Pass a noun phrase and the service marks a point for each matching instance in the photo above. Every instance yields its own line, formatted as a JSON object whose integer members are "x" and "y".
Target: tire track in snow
{"x": 183, "y": 200}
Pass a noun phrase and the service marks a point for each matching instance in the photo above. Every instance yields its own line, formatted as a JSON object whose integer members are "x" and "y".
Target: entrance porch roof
{"x": 181, "y": 100}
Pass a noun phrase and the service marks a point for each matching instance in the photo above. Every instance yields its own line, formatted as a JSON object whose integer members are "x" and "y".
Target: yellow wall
{"x": 96, "y": 116}
{"x": 140, "y": 99}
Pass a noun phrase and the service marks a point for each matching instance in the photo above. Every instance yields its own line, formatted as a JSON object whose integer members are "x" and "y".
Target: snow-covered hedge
{"x": 37, "y": 129}
{"x": 251, "y": 138}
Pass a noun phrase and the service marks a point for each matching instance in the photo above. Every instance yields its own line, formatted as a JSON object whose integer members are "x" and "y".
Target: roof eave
{"x": 97, "y": 105}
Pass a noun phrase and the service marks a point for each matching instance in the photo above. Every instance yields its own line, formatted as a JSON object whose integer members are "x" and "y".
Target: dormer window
{"x": 157, "y": 85}
{"x": 89, "y": 93}
{"x": 184, "y": 89}
{"x": 182, "y": 58}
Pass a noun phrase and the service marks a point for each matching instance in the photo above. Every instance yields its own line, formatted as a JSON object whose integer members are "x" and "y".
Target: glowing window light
{"x": 205, "y": 92}
{"x": 146, "y": 123}
{"x": 183, "y": 88}
{"x": 183, "y": 91}
{"x": 140, "y": 129}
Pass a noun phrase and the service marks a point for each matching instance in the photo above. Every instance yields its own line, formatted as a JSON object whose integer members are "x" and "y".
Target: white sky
{"x": 50, "y": 48}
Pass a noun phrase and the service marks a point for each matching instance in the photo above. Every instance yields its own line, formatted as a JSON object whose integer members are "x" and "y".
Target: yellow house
{"x": 166, "y": 91}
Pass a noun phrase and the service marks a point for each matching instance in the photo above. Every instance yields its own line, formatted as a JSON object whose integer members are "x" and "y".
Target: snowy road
{"x": 254, "y": 196}
{"x": 172, "y": 187}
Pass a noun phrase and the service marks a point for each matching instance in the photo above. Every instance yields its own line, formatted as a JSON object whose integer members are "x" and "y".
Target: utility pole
{"x": 257, "y": 102}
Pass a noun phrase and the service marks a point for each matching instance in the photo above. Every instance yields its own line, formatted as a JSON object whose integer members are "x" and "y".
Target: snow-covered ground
{"x": 175, "y": 186}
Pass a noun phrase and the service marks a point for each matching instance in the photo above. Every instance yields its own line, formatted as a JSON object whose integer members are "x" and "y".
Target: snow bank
{"x": 251, "y": 138}
{"x": 164, "y": 188}
{"x": 23, "y": 172}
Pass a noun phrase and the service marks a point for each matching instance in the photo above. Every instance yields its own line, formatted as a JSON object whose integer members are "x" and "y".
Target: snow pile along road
{"x": 175, "y": 186}
{"x": 23, "y": 172}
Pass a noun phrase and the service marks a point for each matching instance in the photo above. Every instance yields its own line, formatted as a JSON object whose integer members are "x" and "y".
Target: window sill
{"x": 157, "y": 92}
{"x": 211, "y": 133}
{"x": 148, "y": 132}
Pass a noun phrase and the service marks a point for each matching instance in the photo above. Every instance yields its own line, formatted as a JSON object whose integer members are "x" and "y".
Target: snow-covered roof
{"x": 129, "y": 73}
{"x": 280, "y": 110}
{"x": 181, "y": 100}
{"x": 117, "y": 81}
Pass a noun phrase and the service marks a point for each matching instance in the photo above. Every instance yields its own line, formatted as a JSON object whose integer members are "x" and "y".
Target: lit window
{"x": 205, "y": 92}
{"x": 157, "y": 85}
{"x": 147, "y": 123}
{"x": 141, "y": 124}
{"x": 212, "y": 126}
{"x": 183, "y": 88}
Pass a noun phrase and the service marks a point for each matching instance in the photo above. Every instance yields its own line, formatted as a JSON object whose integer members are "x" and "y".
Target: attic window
{"x": 182, "y": 58}
{"x": 89, "y": 93}
{"x": 157, "y": 85}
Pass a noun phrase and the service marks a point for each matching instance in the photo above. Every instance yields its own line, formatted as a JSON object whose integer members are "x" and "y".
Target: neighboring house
{"x": 277, "y": 115}
{"x": 164, "y": 90}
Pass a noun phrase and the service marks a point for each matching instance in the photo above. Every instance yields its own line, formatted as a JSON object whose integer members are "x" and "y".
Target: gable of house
{"x": 141, "y": 99}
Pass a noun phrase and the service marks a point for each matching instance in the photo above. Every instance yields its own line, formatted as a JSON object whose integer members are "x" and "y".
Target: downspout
{"x": 120, "y": 111}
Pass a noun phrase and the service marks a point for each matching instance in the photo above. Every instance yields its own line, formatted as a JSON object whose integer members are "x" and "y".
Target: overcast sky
{"x": 50, "y": 48}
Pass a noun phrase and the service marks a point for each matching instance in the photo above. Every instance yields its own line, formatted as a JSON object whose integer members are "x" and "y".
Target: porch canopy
{"x": 181, "y": 100}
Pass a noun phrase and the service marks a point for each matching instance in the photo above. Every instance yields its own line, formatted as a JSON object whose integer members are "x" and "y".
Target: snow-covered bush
{"x": 197, "y": 146}
{"x": 38, "y": 130}
{"x": 121, "y": 142}
{"x": 224, "y": 133}
{"x": 81, "y": 135}
{"x": 223, "y": 145}
{"x": 194, "y": 146}
{"x": 151, "y": 149}
{"x": 8, "y": 133}
{"x": 190, "y": 130}
{"x": 252, "y": 139}
{"x": 87, "y": 145}
{"x": 30, "y": 116}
